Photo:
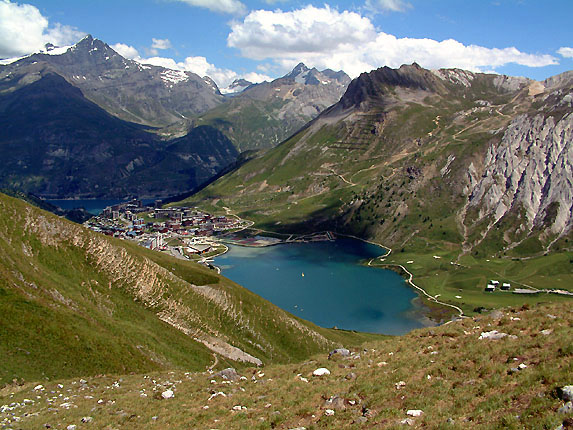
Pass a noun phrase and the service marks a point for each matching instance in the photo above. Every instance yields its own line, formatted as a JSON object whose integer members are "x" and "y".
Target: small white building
{"x": 506, "y": 286}
{"x": 490, "y": 288}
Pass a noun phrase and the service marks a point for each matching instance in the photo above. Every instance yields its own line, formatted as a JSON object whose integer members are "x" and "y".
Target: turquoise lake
{"x": 336, "y": 290}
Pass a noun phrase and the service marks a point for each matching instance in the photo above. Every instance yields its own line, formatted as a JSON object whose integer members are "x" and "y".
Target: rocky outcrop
{"x": 530, "y": 169}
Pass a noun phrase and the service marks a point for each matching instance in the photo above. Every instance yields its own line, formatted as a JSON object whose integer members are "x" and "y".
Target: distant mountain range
{"x": 412, "y": 156}
{"x": 56, "y": 143}
{"x": 260, "y": 116}
{"x": 131, "y": 91}
{"x": 82, "y": 121}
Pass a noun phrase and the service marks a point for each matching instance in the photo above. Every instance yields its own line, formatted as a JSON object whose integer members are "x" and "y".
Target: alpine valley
{"x": 464, "y": 177}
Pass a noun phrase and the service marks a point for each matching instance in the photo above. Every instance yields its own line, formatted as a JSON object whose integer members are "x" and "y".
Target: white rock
{"x": 71, "y": 427}
{"x": 321, "y": 371}
{"x": 329, "y": 412}
{"x": 39, "y": 388}
{"x": 167, "y": 394}
{"x": 407, "y": 421}
{"x": 414, "y": 412}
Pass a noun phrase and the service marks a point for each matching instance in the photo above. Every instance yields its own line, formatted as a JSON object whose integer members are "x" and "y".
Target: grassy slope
{"x": 377, "y": 174}
{"x": 78, "y": 303}
{"x": 447, "y": 372}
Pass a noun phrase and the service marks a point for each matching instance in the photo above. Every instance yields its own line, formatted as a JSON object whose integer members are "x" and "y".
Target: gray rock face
{"x": 531, "y": 169}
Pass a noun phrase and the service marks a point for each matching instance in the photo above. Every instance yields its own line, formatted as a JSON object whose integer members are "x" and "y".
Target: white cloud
{"x": 160, "y": 43}
{"x": 24, "y": 30}
{"x": 388, "y": 5}
{"x": 234, "y": 7}
{"x": 201, "y": 67}
{"x": 126, "y": 51}
{"x": 268, "y": 34}
{"x": 325, "y": 37}
{"x": 565, "y": 52}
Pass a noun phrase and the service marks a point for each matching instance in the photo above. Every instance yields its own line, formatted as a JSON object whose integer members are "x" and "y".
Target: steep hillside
{"x": 506, "y": 370}
{"x": 76, "y": 303}
{"x": 263, "y": 115}
{"x": 57, "y": 143}
{"x": 441, "y": 152}
{"x": 449, "y": 163}
{"x": 131, "y": 91}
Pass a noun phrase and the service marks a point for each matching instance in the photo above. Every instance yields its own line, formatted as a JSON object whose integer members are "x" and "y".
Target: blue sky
{"x": 226, "y": 39}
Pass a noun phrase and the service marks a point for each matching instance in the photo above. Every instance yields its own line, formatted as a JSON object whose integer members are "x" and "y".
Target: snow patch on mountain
{"x": 170, "y": 76}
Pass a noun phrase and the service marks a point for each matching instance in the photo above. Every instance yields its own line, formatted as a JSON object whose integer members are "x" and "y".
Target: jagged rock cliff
{"x": 531, "y": 169}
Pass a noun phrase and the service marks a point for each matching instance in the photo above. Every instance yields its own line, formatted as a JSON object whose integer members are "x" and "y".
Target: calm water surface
{"x": 323, "y": 282}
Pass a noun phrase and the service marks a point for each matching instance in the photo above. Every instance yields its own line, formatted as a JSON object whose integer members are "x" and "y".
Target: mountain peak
{"x": 299, "y": 68}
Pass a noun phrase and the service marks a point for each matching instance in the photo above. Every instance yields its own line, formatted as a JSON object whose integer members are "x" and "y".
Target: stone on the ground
{"x": 342, "y": 352}
{"x": 329, "y": 412}
{"x": 566, "y": 392}
{"x": 335, "y": 402}
{"x": 87, "y": 419}
{"x": 351, "y": 376}
{"x": 167, "y": 394}
{"x": 229, "y": 373}
{"x": 407, "y": 421}
{"x": 495, "y": 335}
{"x": 321, "y": 371}
{"x": 414, "y": 412}
{"x": 496, "y": 314}
{"x": 71, "y": 427}
{"x": 567, "y": 408}
{"x": 39, "y": 388}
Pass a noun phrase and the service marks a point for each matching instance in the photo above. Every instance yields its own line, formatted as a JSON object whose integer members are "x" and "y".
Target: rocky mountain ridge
{"x": 135, "y": 92}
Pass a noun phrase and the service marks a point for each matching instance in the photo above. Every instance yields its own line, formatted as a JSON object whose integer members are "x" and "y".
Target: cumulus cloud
{"x": 234, "y": 7}
{"x": 24, "y": 30}
{"x": 324, "y": 37}
{"x": 388, "y": 5}
{"x": 160, "y": 43}
{"x": 200, "y": 66}
{"x": 126, "y": 51}
{"x": 565, "y": 52}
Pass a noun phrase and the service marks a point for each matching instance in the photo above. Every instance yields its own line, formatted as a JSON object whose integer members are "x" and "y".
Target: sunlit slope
{"x": 74, "y": 302}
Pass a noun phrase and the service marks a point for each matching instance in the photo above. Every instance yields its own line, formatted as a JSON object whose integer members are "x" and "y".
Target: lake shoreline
{"x": 430, "y": 311}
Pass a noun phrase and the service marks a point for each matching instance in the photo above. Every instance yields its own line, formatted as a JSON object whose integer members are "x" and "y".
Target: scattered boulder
{"x": 495, "y": 335}
{"x": 87, "y": 419}
{"x": 566, "y": 393}
{"x": 167, "y": 394}
{"x": 496, "y": 314}
{"x": 229, "y": 374}
{"x": 329, "y": 412}
{"x": 71, "y": 427}
{"x": 321, "y": 371}
{"x": 342, "y": 352}
{"x": 351, "y": 376}
{"x": 335, "y": 402}
{"x": 414, "y": 412}
{"x": 567, "y": 408}
{"x": 407, "y": 421}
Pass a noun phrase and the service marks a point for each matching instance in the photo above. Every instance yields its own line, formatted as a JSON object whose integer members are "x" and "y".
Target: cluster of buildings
{"x": 154, "y": 227}
{"x": 493, "y": 284}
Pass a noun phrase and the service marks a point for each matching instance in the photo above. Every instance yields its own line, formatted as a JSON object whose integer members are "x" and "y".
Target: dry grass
{"x": 458, "y": 380}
